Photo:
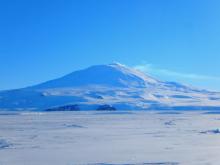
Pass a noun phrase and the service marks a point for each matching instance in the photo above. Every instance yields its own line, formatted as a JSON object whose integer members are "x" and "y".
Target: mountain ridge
{"x": 88, "y": 76}
{"x": 114, "y": 86}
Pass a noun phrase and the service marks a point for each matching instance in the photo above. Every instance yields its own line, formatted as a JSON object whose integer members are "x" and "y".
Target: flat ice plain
{"x": 104, "y": 138}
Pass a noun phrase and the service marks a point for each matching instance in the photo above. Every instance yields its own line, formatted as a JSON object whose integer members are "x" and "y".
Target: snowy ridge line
{"x": 109, "y": 87}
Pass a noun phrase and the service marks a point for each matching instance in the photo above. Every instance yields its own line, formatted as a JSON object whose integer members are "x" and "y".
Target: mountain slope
{"x": 113, "y": 75}
{"x": 112, "y": 86}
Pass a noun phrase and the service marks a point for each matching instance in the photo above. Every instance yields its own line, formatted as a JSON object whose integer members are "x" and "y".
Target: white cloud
{"x": 149, "y": 68}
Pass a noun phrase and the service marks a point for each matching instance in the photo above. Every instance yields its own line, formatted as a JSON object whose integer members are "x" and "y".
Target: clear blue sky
{"x": 176, "y": 40}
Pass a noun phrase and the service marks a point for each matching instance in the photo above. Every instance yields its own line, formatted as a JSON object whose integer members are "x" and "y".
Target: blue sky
{"x": 175, "y": 40}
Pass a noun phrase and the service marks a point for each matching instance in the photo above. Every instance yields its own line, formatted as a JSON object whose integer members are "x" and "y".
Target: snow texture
{"x": 109, "y": 138}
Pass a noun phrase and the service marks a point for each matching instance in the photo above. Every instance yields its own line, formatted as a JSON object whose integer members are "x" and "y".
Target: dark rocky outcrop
{"x": 74, "y": 107}
{"x": 106, "y": 107}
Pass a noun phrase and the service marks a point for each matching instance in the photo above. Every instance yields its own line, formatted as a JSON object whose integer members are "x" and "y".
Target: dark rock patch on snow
{"x": 74, "y": 107}
{"x": 106, "y": 107}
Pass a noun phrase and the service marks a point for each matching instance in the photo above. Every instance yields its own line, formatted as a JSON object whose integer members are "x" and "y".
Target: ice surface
{"x": 109, "y": 138}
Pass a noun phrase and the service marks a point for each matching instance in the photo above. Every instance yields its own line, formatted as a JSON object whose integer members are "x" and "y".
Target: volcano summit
{"x": 109, "y": 87}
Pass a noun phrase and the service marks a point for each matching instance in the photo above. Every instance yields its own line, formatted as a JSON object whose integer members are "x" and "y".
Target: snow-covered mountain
{"x": 112, "y": 87}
